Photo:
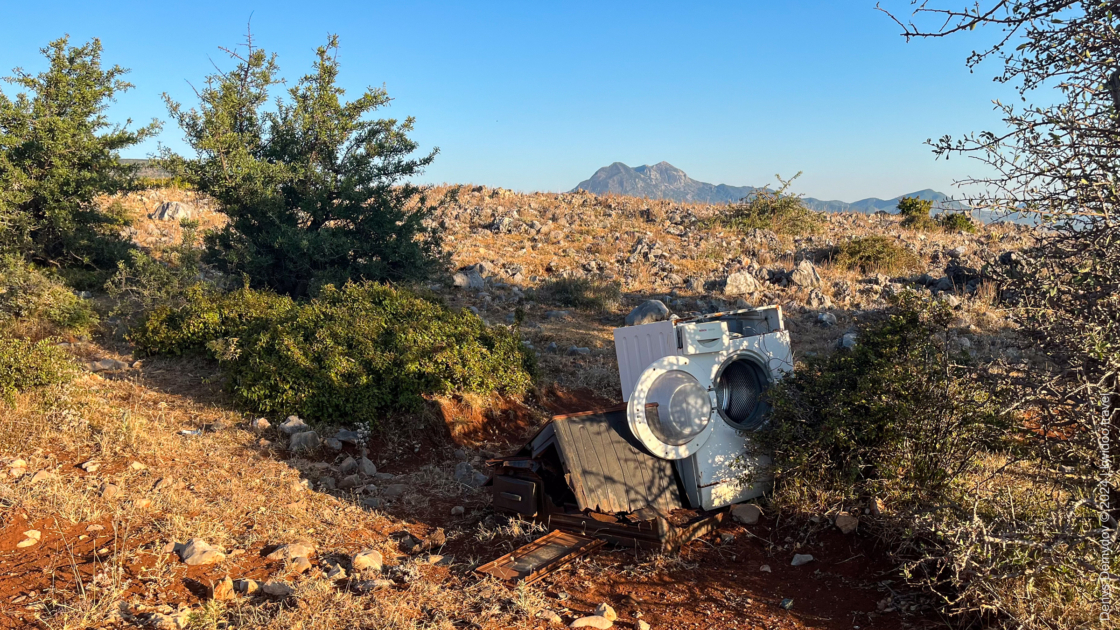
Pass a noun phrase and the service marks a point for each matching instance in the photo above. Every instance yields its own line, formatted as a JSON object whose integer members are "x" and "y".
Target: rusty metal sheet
{"x": 607, "y": 468}
{"x": 540, "y": 557}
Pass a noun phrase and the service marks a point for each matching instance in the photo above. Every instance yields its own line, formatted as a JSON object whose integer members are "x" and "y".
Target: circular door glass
{"x": 740, "y": 393}
{"x": 677, "y": 407}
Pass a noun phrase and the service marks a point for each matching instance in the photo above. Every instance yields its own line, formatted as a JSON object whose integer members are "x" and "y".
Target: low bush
{"x": 352, "y": 354}
{"x": 774, "y": 210}
{"x": 876, "y": 254}
{"x": 25, "y": 364}
{"x": 28, "y": 294}
{"x": 915, "y": 214}
{"x": 586, "y": 293}
{"x": 956, "y": 222}
{"x": 906, "y": 428}
{"x": 143, "y": 282}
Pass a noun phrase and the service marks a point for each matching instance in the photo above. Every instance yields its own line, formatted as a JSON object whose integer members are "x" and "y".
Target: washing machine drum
{"x": 740, "y": 387}
{"x": 670, "y": 410}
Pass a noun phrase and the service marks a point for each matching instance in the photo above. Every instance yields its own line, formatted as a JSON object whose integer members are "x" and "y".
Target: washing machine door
{"x": 671, "y": 408}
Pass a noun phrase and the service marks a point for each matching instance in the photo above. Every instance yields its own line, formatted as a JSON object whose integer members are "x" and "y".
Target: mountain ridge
{"x": 665, "y": 181}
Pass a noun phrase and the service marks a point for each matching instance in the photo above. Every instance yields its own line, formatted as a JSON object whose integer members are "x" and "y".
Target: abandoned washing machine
{"x": 695, "y": 393}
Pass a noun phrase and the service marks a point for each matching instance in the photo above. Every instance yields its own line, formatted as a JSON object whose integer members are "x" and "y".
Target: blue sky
{"x": 537, "y": 95}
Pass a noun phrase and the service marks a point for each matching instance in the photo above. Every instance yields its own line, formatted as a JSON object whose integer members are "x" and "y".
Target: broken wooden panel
{"x": 540, "y": 557}
{"x": 608, "y": 469}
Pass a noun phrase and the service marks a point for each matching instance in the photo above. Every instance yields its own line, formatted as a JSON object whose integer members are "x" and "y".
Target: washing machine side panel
{"x": 720, "y": 464}
{"x": 636, "y": 347}
{"x": 686, "y": 468}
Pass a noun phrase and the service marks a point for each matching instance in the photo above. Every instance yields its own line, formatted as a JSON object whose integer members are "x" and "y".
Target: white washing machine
{"x": 695, "y": 393}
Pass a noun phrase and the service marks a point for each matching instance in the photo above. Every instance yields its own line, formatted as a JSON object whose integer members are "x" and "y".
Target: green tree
{"x": 915, "y": 213}
{"x": 316, "y": 192}
{"x": 58, "y": 151}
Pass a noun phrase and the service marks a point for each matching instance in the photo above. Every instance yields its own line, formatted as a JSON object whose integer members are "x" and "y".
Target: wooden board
{"x": 540, "y": 557}
{"x": 607, "y": 468}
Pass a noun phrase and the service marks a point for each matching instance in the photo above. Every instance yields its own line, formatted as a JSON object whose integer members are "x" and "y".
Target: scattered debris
{"x": 800, "y": 559}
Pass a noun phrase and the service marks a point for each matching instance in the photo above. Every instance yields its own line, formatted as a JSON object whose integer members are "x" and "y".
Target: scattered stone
{"x": 348, "y": 466}
{"x": 551, "y": 617}
{"x": 373, "y": 503}
{"x": 95, "y": 528}
{"x": 138, "y": 466}
{"x": 557, "y": 314}
{"x": 366, "y": 467}
{"x": 458, "y": 510}
{"x": 847, "y": 523}
{"x": 198, "y": 552}
{"x": 578, "y": 350}
{"x": 106, "y": 365}
{"x": 172, "y": 211}
{"x": 90, "y": 466}
{"x": 305, "y": 441}
{"x": 299, "y": 565}
{"x": 368, "y": 586}
{"x": 848, "y": 341}
{"x": 726, "y": 538}
{"x": 877, "y": 507}
{"x": 248, "y": 587}
{"x": 468, "y": 279}
{"x": 348, "y": 436}
{"x": 333, "y": 444}
{"x": 828, "y": 320}
{"x": 273, "y": 588}
{"x": 334, "y": 570}
{"x": 805, "y": 275}
{"x": 395, "y": 491}
{"x": 764, "y": 568}
{"x": 349, "y": 482}
{"x": 746, "y": 513}
{"x": 222, "y": 590}
{"x": 642, "y": 625}
{"x": 370, "y": 559}
{"x": 161, "y": 621}
{"x": 260, "y": 424}
{"x": 31, "y": 537}
{"x": 142, "y": 504}
{"x": 291, "y": 551}
{"x": 817, "y": 299}
{"x": 42, "y": 475}
{"x": 294, "y": 425}
{"x": 741, "y": 283}
{"x": 647, "y": 312}
{"x": 163, "y": 484}
{"x": 110, "y": 491}
{"x": 594, "y": 621}
{"x": 800, "y": 559}
{"x": 603, "y": 610}
{"x": 787, "y": 604}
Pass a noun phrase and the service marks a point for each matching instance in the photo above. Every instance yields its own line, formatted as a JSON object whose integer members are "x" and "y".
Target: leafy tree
{"x": 316, "y": 192}
{"x": 58, "y": 151}
{"x": 915, "y": 213}
{"x": 1059, "y": 163}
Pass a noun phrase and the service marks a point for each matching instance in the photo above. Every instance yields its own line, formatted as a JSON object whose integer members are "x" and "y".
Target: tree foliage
{"x": 58, "y": 151}
{"x": 1057, "y": 161}
{"x": 316, "y": 192}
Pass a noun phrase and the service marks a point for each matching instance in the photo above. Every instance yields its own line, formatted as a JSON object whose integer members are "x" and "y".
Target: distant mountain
{"x": 665, "y": 181}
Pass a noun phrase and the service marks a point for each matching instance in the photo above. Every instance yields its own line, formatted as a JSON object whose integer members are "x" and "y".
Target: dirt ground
{"x": 105, "y": 561}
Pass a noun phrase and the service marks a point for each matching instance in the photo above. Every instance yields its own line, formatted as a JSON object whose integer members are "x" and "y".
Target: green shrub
{"x": 970, "y": 504}
{"x": 25, "y": 364}
{"x": 915, "y": 213}
{"x": 956, "y": 222}
{"x": 586, "y": 293}
{"x": 876, "y": 254}
{"x": 351, "y": 354}
{"x": 877, "y": 420}
{"x": 774, "y": 210}
{"x": 144, "y": 282}
{"x": 29, "y": 294}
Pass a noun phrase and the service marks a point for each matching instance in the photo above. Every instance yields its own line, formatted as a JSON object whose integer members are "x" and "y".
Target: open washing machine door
{"x": 671, "y": 408}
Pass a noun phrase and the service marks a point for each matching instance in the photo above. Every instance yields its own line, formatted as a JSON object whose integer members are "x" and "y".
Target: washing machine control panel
{"x": 702, "y": 337}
